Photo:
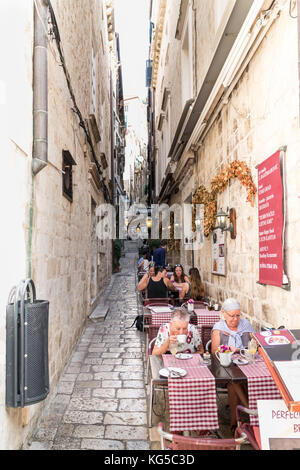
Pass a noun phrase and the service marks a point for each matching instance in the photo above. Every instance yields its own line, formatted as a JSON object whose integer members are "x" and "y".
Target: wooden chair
{"x": 198, "y": 443}
{"x": 151, "y": 337}
{"x": 245, "y": 428}
{"x": 206, "y": 335}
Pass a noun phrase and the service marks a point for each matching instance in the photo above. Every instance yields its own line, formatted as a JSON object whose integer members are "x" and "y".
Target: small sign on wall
{"x": 218, "y": 252}
{"x": 270, "y": 221}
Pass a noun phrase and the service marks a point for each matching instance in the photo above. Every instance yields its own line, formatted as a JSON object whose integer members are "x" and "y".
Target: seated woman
{"x": 180, "y": 281}
{"x": 234, "y": 331}
{"x": 179, "y": 325}
{"x": 143, "y": 263}
{"x": 157, "y": 286}
{"x": 198, "y": 290}
{"x": 151, "y": 270}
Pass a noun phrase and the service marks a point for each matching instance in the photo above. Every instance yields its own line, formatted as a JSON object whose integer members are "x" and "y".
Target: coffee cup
{"x": 216, "y": 306}
{"x": 181, "y": 339}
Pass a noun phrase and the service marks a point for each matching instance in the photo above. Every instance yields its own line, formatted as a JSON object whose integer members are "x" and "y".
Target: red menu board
{"x": 270, "y": 221}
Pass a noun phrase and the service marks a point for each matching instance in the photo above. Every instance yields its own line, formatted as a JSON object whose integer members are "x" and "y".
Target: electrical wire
{"x": 75, "y": 108}
{"x": 46, "y": 32}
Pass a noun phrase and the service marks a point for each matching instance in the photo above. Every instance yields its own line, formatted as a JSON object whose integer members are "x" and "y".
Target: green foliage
{"x": 117, "y": 252}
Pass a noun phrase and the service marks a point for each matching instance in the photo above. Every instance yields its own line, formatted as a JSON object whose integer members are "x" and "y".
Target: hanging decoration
{"x": 173, "y": 245}
{"x": 235, "y": 169}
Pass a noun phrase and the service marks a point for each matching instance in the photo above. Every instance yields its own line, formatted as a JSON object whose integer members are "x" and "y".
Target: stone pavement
{"x": 100, "y": 400}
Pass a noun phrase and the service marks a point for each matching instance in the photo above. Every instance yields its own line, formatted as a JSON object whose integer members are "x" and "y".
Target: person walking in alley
{"x": 159, "y": 255}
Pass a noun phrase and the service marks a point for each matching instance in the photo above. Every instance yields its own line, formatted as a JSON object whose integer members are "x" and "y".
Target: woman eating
{"x": 179, "y": 325}
{"x": 236, "y": 332}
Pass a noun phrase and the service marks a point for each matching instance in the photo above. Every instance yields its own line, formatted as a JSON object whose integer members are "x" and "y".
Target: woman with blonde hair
{"x": 197, "y": 291}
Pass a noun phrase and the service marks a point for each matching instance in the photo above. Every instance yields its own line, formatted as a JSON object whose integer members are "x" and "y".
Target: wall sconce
{"x": 222, "y": 222}
{"x": 149, "y": 223}
{"x": 138, "y": 229}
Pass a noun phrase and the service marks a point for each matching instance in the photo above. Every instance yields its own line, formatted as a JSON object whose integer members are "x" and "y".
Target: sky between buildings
{"x": 132, "y": 24}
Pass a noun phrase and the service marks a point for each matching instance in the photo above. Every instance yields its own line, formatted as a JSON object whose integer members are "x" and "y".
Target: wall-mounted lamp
{"x": 222, "y": 222}
{"x": 149, "y": 223}
{"x": 138, "y": 229}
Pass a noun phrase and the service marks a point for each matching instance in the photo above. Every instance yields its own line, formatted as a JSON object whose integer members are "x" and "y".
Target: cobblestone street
{"x": 100, "y": 401}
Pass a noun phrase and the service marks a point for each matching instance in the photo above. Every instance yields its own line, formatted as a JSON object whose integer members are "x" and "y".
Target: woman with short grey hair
{"x": 233, "y": 331}
{"x": 179, "y": 325}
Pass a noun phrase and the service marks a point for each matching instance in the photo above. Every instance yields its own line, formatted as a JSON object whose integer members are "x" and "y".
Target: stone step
{"x": 100, "y": 313}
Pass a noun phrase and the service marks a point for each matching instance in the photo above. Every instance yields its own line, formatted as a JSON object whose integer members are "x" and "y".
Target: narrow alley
{"x": 100, "y": 400}
{"x": 150, "y": 158}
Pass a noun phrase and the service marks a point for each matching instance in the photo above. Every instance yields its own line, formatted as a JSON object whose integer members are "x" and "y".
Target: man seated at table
{"x": 179, "y": 325}
{"x": 233, "y": 331}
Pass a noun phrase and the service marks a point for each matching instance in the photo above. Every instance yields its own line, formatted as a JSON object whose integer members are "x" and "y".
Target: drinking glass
{"x": 252, "y": 348}
{"x": 173, "y": 351}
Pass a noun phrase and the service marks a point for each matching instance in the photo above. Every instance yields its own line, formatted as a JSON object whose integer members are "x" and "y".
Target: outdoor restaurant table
{"x": 192, "y": 399}
{"x": 222, "y": 375}
{"x": 205, "y": 317}
{"x": 261, "y": 385}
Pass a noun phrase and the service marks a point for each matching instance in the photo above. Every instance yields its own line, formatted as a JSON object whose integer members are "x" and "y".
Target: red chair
{"x": 198, "y": 443}
{"x": 158, "y": 302}
{"x": 245, "y": 428}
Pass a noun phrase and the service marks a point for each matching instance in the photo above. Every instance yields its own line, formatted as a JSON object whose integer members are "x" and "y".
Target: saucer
{"x": 168, "y": 372}
{"x": 183, "y": 356}
{"x": 240, "y": 362}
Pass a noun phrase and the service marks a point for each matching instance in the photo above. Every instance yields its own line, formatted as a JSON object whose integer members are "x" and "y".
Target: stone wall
{"x": 261, "y": 116}
{"x": 63, "y": 250}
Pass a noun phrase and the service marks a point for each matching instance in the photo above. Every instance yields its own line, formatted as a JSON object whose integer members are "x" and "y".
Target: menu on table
{"x": 275, "y": 338}
{"x": 279, "y": 345}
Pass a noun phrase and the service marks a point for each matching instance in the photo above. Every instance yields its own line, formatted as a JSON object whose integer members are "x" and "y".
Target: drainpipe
{"x": 40, "y": 87}
{"x": 40, "y": 111}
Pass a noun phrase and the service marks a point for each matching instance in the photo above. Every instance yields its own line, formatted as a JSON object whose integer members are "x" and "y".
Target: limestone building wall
{"x": 69, "y": 264}
{"x": 260, "y": 116}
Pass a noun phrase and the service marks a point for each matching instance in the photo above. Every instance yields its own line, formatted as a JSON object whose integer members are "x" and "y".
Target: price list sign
{"x": 270, "y": 221}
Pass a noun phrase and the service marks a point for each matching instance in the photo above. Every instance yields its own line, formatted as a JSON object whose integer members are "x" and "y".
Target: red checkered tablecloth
{"x": 204, "y": 317}
{"x": 261, "y": 385}
{"x": 192, "y": 399}
{"x": 159, "y": 319}
{"x": 207, "y": 317}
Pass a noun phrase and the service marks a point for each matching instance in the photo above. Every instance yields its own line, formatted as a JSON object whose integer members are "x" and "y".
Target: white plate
{"x": 275, "y": 340}
{"x": 240, "y": 362}
{"x": 183, "y": 356}
{"x": 166, "y": 372}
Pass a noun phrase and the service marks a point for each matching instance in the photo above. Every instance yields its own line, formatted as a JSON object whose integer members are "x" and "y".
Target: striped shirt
{"x": 235, "y": 337}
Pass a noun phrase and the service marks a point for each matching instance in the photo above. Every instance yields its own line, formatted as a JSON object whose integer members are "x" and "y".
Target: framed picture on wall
{"x": 218, "y": 253}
